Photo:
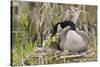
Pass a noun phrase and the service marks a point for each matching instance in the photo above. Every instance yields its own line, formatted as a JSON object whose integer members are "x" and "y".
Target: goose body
{"x": 73, "y": 40}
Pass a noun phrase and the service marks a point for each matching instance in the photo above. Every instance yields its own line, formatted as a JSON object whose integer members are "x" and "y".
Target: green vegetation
{"x": 30, "y": 18}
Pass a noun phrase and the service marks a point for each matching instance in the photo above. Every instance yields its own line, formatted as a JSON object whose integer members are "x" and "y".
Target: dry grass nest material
{"x": 49, "y": 56}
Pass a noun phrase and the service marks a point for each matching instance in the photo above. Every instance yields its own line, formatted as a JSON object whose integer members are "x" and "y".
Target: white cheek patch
{"x": 59, "y": 28}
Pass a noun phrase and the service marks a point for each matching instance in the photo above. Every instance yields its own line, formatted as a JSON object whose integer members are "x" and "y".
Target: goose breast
{"x": 74, "y": 42}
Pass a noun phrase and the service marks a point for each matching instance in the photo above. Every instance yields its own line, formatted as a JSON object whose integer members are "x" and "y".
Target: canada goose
{"x": 72, "y": 40}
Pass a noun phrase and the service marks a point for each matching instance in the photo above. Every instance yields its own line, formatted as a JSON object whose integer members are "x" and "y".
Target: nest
{"x": 52, "y": 56}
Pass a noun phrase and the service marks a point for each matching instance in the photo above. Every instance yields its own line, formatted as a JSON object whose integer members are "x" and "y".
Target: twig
{"x": 76, "y": 56}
